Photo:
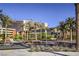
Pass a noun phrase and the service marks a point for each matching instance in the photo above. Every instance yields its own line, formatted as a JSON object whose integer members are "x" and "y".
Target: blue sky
{"x": 50, "y": 13}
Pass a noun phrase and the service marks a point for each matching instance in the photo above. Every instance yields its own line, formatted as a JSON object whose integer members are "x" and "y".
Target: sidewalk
{"x": 69, "y": 53}
{"x": 24, "y": 52}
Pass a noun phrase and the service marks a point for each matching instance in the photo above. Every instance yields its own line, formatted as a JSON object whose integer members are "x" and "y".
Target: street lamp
{"x": 46, "y": 25}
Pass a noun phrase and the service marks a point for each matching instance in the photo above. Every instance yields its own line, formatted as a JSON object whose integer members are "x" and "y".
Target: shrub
{"x": 18, "y": 37}
{"x": 48, "y": 36}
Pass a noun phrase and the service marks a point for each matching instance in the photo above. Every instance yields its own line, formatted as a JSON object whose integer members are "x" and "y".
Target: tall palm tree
{"x": 35, "y": 27}
{"x": 6, "y": 20}
{"x": 29, "y": 26}
{"x": 41, "y": 26}
{"x": 70, "y": 22}
{"x": 22, "y": 29}
{"x": 27, "y": 29}
{"x": 63, "y": 28}
{"x": 77, "y": 25}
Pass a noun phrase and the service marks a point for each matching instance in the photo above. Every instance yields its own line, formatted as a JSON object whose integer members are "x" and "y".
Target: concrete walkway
{"x": 24, "y": 52}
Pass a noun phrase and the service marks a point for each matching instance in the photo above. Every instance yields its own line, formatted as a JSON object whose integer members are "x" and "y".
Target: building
{"x": 22, "y": 27}
{"x": 55, "y": 32}
{"x": 9, "y": 31}
{"x": 16, "y": 25}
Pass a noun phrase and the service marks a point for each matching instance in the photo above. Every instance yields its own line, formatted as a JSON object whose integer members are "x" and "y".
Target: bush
{"x": 44, "y": 36}
{"x": 49, "y": 36}
{"x": 2, "y": 36}
{"x": 18, "y": 37}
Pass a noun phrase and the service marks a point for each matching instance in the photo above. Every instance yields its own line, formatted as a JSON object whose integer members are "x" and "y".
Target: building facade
{"x": 9, "y": 31}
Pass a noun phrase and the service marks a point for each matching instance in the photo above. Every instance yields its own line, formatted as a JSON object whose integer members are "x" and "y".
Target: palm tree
{"x": 29, "y": 26}
{"x": 6, "y": 22}
{"x": 63, "y": 28}
{"x": 70, "y": 22}
{"x": 77, "y": 25}
{"x": 41, "y": 26}
{"x": 35, "y": 27}
{"x": 22, "y": 29}
{"x": 27, "y": 29}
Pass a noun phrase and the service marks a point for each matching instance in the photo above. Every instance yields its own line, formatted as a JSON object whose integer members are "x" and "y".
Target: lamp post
{"x": 46, "y": 25}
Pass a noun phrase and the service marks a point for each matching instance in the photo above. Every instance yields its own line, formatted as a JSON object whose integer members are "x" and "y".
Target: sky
{"x": 50, "y": 13}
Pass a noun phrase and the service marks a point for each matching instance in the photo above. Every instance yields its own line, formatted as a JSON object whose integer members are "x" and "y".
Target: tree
{"x": 41, "y": 26}
{"x": 63, "y": 28}
{"x": 28, "y": 27}
{"x": 6, "y": 21}
{"x": 35, "y": 27}
{"x": 70, "y": 25}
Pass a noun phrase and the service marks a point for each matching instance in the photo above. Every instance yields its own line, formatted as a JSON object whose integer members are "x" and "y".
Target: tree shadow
{"x": 59, "y": 54}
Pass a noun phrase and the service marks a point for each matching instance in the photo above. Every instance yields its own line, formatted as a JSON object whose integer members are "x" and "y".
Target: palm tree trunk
{"x": 41, "y": 34}
{"x": 71, "y": 35}
{"x": 35, "y": 35}
{"x": 27, "y": 35}
{"x": 77, "y": 26}
{"x": 5, "y": 34}
{"x": 63, "y": 36}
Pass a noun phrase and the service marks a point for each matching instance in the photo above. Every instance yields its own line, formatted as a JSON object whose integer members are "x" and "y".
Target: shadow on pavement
{"x": 59, "y": 54}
